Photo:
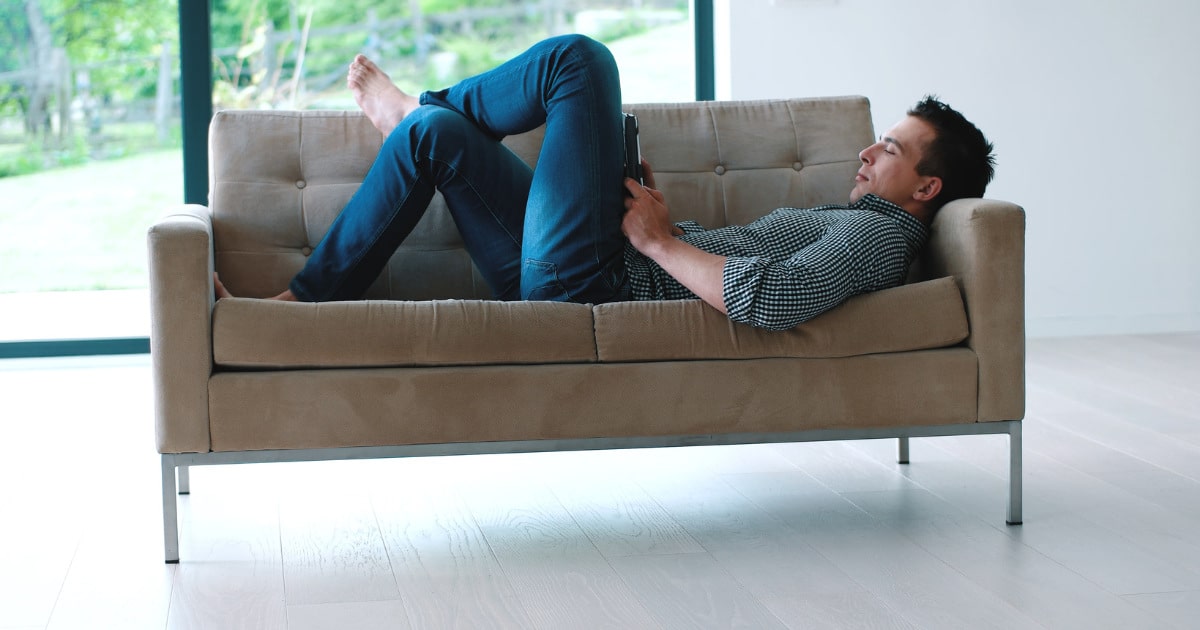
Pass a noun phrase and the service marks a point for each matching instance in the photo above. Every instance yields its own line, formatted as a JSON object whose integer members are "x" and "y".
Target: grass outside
{"x": 84, "y": 227}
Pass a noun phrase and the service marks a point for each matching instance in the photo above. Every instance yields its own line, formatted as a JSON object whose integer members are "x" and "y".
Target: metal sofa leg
{"x": 170, "y": 507}
{"x": 1014, "y": 473}
{"x": 185, "y": 479}
{"x": 902, "y": 458}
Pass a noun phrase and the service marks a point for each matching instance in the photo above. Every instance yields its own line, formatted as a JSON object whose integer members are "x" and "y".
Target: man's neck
{"x": 921, "y": 213}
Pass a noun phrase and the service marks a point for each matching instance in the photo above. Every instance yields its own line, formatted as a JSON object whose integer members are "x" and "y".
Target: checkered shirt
{"x": 794, "y": 264}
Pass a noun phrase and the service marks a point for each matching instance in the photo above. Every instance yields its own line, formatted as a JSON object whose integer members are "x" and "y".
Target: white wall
{"x": 1094, "y": 107}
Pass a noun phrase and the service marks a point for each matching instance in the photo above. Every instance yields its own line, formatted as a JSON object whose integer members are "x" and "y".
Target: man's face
{"x": 889, "y": 167}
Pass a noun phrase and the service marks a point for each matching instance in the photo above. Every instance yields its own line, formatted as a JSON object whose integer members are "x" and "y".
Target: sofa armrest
{"x": 180, "y": 247}
{"x": 981, "y": 242}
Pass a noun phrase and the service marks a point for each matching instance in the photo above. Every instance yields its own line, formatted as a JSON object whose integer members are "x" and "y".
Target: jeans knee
{"x": 423, "y": 129}
{"x": 425, "y": 120}
{"x": 582, "y": 44}
{"x": 591, "y": 52}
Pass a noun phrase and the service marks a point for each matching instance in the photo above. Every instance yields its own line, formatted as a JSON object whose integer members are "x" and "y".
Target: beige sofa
{"x": 428, "y": 365}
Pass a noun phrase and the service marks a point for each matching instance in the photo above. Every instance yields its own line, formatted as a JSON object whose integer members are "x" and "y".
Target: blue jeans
{"x": 550, "y": 233}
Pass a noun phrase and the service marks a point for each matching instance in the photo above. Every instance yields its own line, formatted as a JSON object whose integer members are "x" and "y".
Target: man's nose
{"x": 865, "y": 154}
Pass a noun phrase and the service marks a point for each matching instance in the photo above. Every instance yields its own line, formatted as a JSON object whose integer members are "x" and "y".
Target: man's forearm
{"x": 648, "y": 226}
{"x": 701, "y": 272}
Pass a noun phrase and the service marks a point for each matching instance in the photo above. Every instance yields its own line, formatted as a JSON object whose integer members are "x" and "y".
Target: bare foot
{"x": 384, "y": 104}
{"x": 222, "y": 292}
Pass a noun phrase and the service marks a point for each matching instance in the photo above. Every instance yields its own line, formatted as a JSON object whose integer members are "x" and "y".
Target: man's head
{"x": 931, "y": 157}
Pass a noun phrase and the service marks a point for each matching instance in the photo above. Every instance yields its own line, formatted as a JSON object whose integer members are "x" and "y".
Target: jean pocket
{"x": 539, "y": 282}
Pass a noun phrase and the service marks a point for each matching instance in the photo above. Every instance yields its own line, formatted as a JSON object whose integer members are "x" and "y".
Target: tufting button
{"x": 797, "y": 166}
{"x": 306, "y": 250}
{"x": 301, "y": 183}
{"x": 720, "y": 170}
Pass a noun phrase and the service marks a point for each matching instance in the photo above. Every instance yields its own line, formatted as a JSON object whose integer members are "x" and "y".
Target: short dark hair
{"x": 958, "y": 154}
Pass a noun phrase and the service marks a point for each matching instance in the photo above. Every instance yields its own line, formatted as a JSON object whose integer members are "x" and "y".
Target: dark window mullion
{"x": 196, "y": 83}
{"x": 706, "y": 75}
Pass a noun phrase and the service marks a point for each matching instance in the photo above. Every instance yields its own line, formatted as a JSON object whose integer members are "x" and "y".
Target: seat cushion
{"x": 265, "y": 334}
{"x": 911, "y": 317}
{"x": 250, "y": 333}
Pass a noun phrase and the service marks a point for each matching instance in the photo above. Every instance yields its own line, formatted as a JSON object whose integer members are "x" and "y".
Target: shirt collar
{"x": 912, "y": 227}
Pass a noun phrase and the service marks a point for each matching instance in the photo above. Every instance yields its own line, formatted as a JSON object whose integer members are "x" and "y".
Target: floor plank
{"x": 692, "y": 590}
{"x": 839, "y": 467}
{"x": 904, "y": 577}
{"x": 444, "y": 568}
{"x": 557, "y": 572}
{"x": 1180, "y": 609}
{"x": 835, "y": 611}
{"x": 380, "y": 615}
{"x": 139, "y": 597}
{"x": 621, "y": 519}
{"x": 233, "y": 573}
{"x": 1120, "y": 434}
{"x": 35, "y": 557}
{"x": 332, "y": 548}
{"x": 997, "y": 560}
{"x": 774, "y": 564}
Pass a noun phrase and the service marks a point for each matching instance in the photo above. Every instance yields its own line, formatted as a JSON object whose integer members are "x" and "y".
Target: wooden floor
{"x": 833, "y": 535}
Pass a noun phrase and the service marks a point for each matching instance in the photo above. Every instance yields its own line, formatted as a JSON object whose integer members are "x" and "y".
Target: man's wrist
{"x": 656, "y": 247}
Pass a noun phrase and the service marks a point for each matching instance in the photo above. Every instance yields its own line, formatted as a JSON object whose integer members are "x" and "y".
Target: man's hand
{"x": 647, "y": 220}
{"x": 647, "y": 225}
{"x": 647, "y": 174}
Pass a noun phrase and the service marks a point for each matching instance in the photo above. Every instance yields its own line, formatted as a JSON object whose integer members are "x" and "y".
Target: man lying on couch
{"x": 569, "y": 231}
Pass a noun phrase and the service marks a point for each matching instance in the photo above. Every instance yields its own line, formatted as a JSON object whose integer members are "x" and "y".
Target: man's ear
{"x": 931, "y": 187}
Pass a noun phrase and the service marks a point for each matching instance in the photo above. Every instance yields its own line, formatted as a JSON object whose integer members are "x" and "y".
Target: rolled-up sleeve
{"x": 793, "y": 264}
{"x": 778, "y": 295}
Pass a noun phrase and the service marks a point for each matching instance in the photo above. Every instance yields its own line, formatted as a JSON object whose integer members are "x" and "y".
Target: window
{"x": 294, "y": 54}
{"x": 89, "y": 155}
{"x": 104, "y": 113}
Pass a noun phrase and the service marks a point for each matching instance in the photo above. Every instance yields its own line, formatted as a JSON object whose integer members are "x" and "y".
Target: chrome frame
{"x": 175, "y": 466}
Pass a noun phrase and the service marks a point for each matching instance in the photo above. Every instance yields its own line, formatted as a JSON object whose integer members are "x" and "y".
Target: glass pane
{"x": 89, "y": 157}
{"x": 290, "y": 55}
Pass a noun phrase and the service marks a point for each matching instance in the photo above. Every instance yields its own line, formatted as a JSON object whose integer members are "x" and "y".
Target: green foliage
{"x": 627, "y": 27}
{"x": 35, "y": 156}
{"x": 118, "y": 140}
{"x": 249, "y": 75}
{"x": 115, "y": 47}
{"x": 472, "y": 56}
{"x": 104, "y": 29}
{"x": 19, "y": 162}
{"x": 447, "y": 6}
{"x": 14, "y": 31}
{"x": 92, "y": 34}
{"x": 235, "y": 21}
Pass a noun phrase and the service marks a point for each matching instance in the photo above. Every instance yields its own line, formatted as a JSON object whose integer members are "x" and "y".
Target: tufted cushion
{"x": 733, "y": 162}
{"x": 280, "y": 177}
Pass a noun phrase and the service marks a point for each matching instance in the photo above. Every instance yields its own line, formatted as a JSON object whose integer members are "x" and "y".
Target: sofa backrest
{"x": 280, "y": 177}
